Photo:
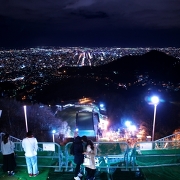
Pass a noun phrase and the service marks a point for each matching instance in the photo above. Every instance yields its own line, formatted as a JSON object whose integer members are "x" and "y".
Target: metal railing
{"x": 49, "y": 154}
{"x": 159, "y": 153}
{"x": 13, "y": 139}
{"x": 110, "y": 155}
{"x": 172, "y": 137}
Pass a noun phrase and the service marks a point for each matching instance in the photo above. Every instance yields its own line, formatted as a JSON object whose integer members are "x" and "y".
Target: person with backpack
{"x": 77, "y": 150}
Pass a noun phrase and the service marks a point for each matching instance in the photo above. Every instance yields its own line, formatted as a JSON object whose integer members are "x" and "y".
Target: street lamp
{"x": 53, "y": 132}
{"x": 155, "y": 102}
{"x": 128, "y": 124}
{"x": 25, "y": 115}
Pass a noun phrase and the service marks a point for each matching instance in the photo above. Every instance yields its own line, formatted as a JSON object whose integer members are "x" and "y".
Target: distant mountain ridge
{"x": 148, "y": 61}
{"x": 155, "y": 63}
{"x": 153, "y": 69}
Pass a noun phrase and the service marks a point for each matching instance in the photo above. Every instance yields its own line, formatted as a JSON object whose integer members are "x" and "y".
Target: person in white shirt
{"x": 30, "y": 147}
{"x": 7, "y": 149}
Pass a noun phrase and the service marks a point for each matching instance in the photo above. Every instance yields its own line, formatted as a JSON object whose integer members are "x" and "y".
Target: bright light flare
{"x": 155, "y": 100}
{"x": 132, "y": 128}
{"x": 53, "y": 131}
{"x": 127, "y": 123}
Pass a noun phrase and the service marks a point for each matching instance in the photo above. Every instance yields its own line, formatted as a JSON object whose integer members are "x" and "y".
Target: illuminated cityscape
{"x": 31, "y": 69}
{"x": 43, "y": 57}
{"x": 26, "y": 73}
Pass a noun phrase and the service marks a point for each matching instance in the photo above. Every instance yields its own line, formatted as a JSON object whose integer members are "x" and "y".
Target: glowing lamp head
{"x": 127, "y": 123}
{"x": 155, "y": 100}
{"x": 53, "y": 131}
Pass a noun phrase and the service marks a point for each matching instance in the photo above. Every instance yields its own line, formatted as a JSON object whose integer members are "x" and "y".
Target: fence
{"x": 110, "y": 155}
{"x": 157, "y": 153}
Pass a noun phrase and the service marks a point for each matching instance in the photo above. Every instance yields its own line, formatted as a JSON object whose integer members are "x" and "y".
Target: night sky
{"x": 92, "y": 23}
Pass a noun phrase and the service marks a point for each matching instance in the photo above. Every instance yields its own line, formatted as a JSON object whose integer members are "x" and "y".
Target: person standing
{"x": 91, "y": 152}
{"x": 7, "y": 149}
{"x": 30, "y": 147}
{"x": 78, "y": 156}
{"x": 84, "y": 140}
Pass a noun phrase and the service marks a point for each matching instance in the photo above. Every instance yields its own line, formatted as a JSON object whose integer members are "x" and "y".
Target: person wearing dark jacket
{"x": 78, "y": 156}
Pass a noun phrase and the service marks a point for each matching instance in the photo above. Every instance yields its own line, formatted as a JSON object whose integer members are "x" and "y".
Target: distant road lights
{"x": 53, "y": 132}
{"x": 155, "y": 102}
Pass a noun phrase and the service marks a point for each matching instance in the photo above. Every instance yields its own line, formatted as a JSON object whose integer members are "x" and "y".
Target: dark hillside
{"x": 158, "y": 65}
{"x": 148, "y": 61}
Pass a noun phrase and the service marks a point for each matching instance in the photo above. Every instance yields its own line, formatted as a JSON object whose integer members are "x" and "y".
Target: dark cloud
{"x": 90, "y": 15}
{"x": 117, "y": 19}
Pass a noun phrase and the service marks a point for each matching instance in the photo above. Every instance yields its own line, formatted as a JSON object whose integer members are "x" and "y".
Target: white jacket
{"x": 91, "y": 154}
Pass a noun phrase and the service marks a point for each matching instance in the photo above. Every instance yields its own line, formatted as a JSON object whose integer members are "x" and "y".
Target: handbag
{"x": 87, "y": 161}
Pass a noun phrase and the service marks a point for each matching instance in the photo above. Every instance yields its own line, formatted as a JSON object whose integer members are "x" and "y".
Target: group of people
{"x": 83, "y": 147}
{"x": 30, "y": 147}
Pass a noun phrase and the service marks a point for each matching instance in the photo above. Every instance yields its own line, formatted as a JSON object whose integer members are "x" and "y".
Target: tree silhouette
{"x": 40, "y": 119}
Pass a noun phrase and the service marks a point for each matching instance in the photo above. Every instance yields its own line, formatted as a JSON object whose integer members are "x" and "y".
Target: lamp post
{"x": 53, "y": 132}
{"x": 155, "y": 102}
{"x": 0, "y": 112}
{"x": 25, "y": 115}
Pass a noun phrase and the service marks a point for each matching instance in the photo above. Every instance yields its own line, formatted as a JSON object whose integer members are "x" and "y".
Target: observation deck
{"x": 145, "y": 160}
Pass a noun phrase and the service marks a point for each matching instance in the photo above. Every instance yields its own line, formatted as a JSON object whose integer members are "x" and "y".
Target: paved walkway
{"x": 50, "y": 174}
{"x": 117, "y": 175}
